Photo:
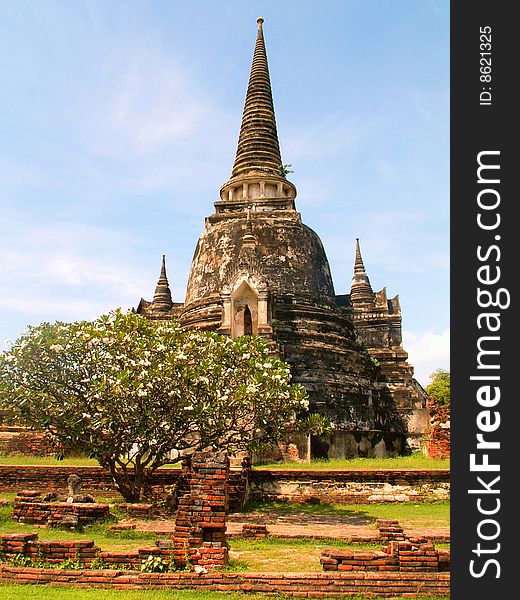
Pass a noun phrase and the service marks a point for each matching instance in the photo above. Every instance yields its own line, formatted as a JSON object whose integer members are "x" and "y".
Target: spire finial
{"x": 162, "y": 299}
{"x": 163, "y": 269}
{"x": 359, "y": 267}
{"x": 361, "y": 291}
{"x": 258, "y": 148}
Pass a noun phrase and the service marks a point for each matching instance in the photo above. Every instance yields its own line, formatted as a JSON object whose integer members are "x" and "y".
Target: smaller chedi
{"x": 259, "y": 270}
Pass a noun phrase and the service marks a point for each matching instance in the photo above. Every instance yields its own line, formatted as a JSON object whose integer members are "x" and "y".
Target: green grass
{"x": 417, "y": 460}
{"x": 50, "y": 461}
{"x": 282, "y": 555}
{"x": 32, "y": 461}
{"x": 408, "y": 514}
{"x": 37, "y": 592}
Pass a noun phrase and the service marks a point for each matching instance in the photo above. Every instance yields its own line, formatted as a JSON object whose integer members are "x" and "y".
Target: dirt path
{"x": 353, "y": 528}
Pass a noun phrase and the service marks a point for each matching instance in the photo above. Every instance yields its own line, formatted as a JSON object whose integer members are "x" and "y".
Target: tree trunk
{"x": 129, "y": 484}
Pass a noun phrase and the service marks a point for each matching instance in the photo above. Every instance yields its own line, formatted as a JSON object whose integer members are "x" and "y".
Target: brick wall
{"x": 54, "y": 552}
{"x": 21, "y": 441}
{"x": 348, "y": 487}
{"x": 310, "y": 585}
{"x": 82, "y": 551}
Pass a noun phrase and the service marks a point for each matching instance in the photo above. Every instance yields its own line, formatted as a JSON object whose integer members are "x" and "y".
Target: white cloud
{"x": 150, "y": 105}
{"x": 149, "y": 102}
{"x": 427, "y": 351}
{"x": 63, "y": 270}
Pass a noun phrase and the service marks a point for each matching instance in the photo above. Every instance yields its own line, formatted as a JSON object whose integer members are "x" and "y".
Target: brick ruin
{"x": 199, "y": 544}
{"x": 82, "y": 552}
{"x": 200, "y": 524}
{"x": 437, "y": 437}
{"x": 20, "y": 441}
{"x": 30, "y": 508}
{"x": 287, "y": 485}
{"x": 310, "y": 585}
{"x": 52, "y": 552}
{"x": 199, "y": 540}
{"x": 258, "y": 269}
{"x": 400, "y": 554}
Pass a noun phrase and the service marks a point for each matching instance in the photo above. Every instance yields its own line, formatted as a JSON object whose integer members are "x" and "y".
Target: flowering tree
{"x": 136, "y": 395}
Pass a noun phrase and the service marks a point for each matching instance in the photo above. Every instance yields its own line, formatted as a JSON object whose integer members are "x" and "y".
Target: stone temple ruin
{"x": 258, "y": 269}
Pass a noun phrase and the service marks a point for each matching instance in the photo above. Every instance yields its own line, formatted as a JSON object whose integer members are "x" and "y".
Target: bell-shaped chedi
{"x": 257, "y": 269}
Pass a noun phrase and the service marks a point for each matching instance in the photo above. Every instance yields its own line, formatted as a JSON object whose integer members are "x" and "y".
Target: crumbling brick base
{"x": 401, "y": 554}
{"x": 28, "y": 508}
{"x": 200, "y": 525}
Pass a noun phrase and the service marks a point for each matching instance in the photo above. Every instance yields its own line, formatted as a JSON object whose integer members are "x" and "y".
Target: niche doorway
{"x": 244, "y": 303}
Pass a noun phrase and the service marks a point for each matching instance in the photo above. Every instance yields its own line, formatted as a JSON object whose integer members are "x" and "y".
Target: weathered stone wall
{"x": 312, "y": 585}
{"x": 346, "y": 487}
{"x": 95, "y": 480}
{"x": 352, "y": 444}
{"x": 350, "y": 487}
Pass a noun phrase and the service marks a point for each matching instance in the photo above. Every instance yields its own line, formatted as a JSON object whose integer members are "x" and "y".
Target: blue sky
{"x": 119, "y": 121}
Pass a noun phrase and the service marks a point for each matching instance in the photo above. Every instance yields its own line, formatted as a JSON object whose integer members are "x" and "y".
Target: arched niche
{"x": 245, "y": 309}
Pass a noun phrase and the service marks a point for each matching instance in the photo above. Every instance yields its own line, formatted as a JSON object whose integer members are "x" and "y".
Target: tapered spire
{"x": 258, "y": 175}
{"x": 258, "y": 148}
{"x": 361, "y": 291}
{"x": 162, "y": 299}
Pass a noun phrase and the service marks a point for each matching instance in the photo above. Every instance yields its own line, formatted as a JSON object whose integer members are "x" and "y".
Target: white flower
{"x": 142, "y": 393}
{"x": 56, "y": 347}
